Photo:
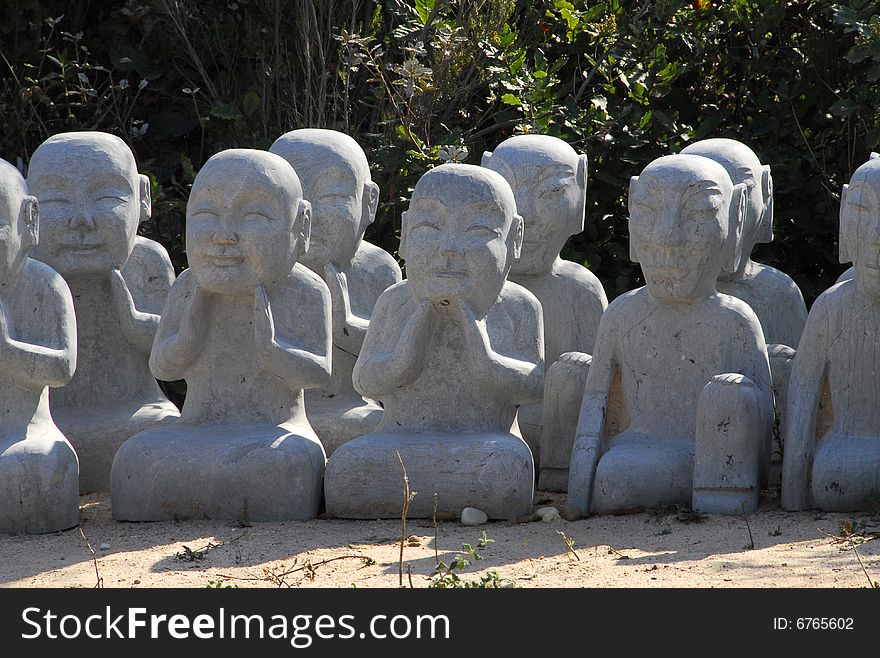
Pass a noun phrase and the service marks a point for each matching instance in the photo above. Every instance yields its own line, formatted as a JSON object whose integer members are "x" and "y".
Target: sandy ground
{"x": 639, "y": 550}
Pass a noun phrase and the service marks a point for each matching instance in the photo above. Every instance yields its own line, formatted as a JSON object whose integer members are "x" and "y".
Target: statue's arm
{"x": 385, "y": 363}
{"x": 303, "y": 365}
{"x": 44, "y": 365}
{"x": 521, "y": 379}
{"x": 591, "y": 421}
{"x": 804, "y": 389}
{"x": 180, "y": 333}
{"x": 349, "y": 329}
{"x": 139, "y": 327}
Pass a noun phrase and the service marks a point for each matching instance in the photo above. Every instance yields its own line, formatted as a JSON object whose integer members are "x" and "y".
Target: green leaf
{"x": 510, "y": 99}
{"x": 844, "y": 107}
{"x": 226, "y": 112}
{"x": 250, "y": 102}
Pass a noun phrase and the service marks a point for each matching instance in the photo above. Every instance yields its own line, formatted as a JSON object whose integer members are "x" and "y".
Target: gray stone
{"x": 248, "y": 328}
{"x": 549, "y": 182}
{"x": 548, "y": 514}
{"x": 92, "y": 200}
{"x": 471, "y": 516}
{"x": 850, "y": 273}
{"x": 832, "y": 441}
{"x": 39, "y": 475}
{"x": 645, "y": 416}
{"x": 451, "y": 351}
{"x": 335, "y": 178}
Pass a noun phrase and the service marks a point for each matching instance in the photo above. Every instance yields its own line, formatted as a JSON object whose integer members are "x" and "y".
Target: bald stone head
{"x": 246, "y": 221}
{"x": 681, "y": 210}
{"x": 860, "y": 225}
{"x": 91, "y": 200}
{"x": 743, "y": 166}
{"x": 335, "y": 176}
{"x": 19, "y": 224}
{"x": 549, "y": 182}
{"x": 460, "y": 235}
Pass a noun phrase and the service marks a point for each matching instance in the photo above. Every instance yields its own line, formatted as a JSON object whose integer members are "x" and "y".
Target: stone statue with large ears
{"x": 549, "y": 181}
{"x": 832, "y": 443}
{"x": 39, "y": 472}
{"x": 678, "y": 402}
{"x": 335, "y": 177}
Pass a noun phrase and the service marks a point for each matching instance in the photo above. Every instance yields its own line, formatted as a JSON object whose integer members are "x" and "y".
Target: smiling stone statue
{"x": 451, "y": 351}
{"x": 832, "y": 443}
{"x": 678, "y": 403}
{"x": 39, "y": 476}
{"x": 91, "y": 200}
{"x": 549, "y": 182}
{"x": 248, "y": 328}
{"x": 335, "y": 177}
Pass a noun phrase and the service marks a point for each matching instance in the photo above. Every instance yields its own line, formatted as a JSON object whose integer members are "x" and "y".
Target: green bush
{"x": 418, "y": 82}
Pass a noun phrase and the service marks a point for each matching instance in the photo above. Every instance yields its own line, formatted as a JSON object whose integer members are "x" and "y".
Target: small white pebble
{"x": 104, "y": 547}
{"x": 472, "y": 516}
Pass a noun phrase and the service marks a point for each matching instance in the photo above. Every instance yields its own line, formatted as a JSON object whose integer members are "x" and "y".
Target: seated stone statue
{"x": 451, "y": 351}
{"x": 678, "y": 401}
{"x": 549, "y": 182}
{"x": 850, "y": 273}
{"x": 248, "y": 328}
{"x": 773, "y": 295}
{"x": 832, "y": 443}
{"x": 39, "y": 475}
{"x": 92, "y": 199}
{"x": 335, "y": 177}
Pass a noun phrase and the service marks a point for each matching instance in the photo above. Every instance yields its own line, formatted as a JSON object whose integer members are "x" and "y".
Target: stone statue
{"x": 549, "y": 182}
{"x": 678, "y": 403}
{"x": 39, "y": 475}
{"x": 335, "y": 177}
{"x": 773, "y": 295}
{"x": 91, "y": 200}
{"x": 248, "y": 328}
{"x": 832, "y": 443}
{"x": 850, "y": 273}
{"x": 451, "y": 351}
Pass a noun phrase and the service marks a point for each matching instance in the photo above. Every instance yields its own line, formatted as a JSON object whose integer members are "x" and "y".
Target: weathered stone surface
{"x": 832, "y": 443}
{"x": 92, "y": 200}
{"x": 451, "y": 351}
{"x": 549, "y": 182}
{"x": 39, "y": 475}
{"x": 659, "y": 346}
{"x": 336, "y": 180}
{"x": 248, "y": 328}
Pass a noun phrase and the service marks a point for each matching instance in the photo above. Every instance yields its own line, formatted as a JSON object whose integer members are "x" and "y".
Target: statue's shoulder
{"x": 376, "y": 262}
{"x": 150, "y": 256}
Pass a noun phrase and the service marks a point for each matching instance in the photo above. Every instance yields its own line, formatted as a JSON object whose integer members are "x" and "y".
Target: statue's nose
{"x": 82, "y": 220}
{"x": 224, "y": 233}
{"x": 667, "y": 228}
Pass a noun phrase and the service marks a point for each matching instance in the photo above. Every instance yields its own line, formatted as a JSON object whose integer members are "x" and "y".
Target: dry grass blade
{"x": 99, "y": 581}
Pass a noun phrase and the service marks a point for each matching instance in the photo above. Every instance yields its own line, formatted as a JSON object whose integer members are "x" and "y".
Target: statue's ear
{"x": 873, "y": 156}
{"x": 633, "y": 256}
{"x": 846, "y": 231}
{"x": 487, "y": 156}
{"x": 303, "y": 228}
{"x": 736, "y": 217}
{"x": 404, "y": 235}
{"x": 30, "y": 210}
{"x": 765, "y": 234}
{"x": 144, "y": 202}
{"x": 581, "y": 177}
{"x": 370, "y": 204}
{"x": 517, "y": 230}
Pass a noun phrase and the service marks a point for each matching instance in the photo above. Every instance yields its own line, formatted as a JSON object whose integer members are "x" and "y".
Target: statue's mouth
{"x": 451, "y": 274}
{"x": 82, "y": 247}
{"x": 225, "y": 260}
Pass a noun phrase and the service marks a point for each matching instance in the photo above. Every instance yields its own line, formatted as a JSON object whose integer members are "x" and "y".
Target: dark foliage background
{"x": 418, "y": 82}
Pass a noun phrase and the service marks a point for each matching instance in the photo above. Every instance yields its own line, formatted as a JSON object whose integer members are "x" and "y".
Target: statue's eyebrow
{"x": 645, "y": 190}
{"x": 429, "y": 200}
{"x": 114, "y": 179}
{"x": 701, "y": 188}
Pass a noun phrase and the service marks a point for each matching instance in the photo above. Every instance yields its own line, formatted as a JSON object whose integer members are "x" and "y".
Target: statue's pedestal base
{"x": 252, "y": 472}
{"x": 339, "y": 421}
{"x": 492, "y": 472}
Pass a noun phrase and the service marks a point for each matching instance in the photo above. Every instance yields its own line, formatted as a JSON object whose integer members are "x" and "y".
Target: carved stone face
{"x": 335, "y": 177}
{"x": 860, "y": 225}
{"x": 549, "y": 182}
{"x": 460, "y": 235}
{"x": 679, "y": 218}
{"x": 743, "y": 166}
{"x": 246, "y": 222}
{"x": 18, "y": 223}
{"x": 91, "y": 201}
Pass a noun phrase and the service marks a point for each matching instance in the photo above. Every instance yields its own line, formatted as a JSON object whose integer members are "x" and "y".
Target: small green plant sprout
{"x": 569, "y": 545}
{"x": 220, "y": 584}
{"x": 447, "y": 575}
